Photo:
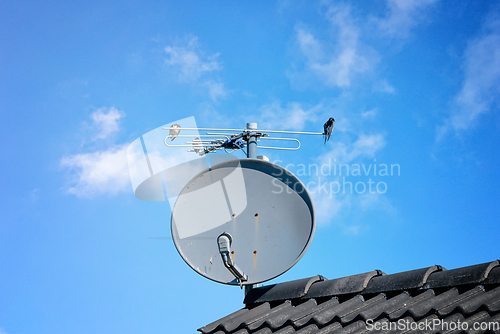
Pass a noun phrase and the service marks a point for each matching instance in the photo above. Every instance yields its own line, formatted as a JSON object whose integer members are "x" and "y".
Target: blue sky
{"x": 410, "y": 83}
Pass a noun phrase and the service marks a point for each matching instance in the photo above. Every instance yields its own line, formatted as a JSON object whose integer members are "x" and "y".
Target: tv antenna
{"x": 242, "y": 221}
{"x": 216, "y": 139}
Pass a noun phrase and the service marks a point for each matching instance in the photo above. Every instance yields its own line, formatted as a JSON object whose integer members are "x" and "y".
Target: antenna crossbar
{"x": 233, "y": 139}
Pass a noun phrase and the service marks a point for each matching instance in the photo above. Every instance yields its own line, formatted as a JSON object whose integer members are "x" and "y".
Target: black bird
{"x": 328, "y": 127}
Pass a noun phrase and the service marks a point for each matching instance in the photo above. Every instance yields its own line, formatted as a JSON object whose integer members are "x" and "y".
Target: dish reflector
{"x": 267, "y": 212}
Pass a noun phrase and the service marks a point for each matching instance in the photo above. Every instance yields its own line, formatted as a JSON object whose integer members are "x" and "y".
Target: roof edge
{"x": 375, "y": 281}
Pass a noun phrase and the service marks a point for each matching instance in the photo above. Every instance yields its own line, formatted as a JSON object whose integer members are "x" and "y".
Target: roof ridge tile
{"x": 401, "y": 281}
{"x": 344, "y": 285}
{"x": 493, "y": 276}
{"x": 466, "y": 275}
{"x": 282, "y": 291}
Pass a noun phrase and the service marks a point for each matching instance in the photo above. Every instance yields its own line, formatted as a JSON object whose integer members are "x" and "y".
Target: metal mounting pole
{"x": 248, "y": 288}
{"x": 252, "y": 141}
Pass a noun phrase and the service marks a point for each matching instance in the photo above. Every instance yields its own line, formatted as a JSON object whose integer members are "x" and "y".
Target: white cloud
{"x": 191, "y": 64}
{"x": 364, "y": 146}
{"x": 334, "y": 208}
{"x": 327, "y": 206}
{"x": 402, "y": 15}
{"x": 337, "y": 62}
{"x": 216, "y": 90}
{"x": 293, "y": 117}
{"x": 188, "y": 60}
{"x": 101, "y": 172}
{"x": 309, "y": 45}
{"x": 106, "y": 121}
{"x": 350, "y": 146}
{"x": 34, "y": 195}
{"x": 382, "y": 86}
{"x": 210, "y": 115}
{"x": 480, "y": 89}
{"x": 369, "y": 114}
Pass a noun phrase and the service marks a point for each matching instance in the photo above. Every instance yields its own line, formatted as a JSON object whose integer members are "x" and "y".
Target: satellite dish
{"x": 243, "y": 221}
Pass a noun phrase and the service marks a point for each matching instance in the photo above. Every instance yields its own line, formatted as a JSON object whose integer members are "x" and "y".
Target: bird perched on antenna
{"x": 328, "y": 127}
{"x": 174, "y": 131}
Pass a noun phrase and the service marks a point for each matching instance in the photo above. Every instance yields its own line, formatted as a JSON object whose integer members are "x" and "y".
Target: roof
{"x": 465, "y": 296}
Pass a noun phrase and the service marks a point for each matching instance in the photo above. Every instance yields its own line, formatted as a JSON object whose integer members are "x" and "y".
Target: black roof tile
{"x": 495, "y": 320}
{"x": 482, "y": 299}
{"x": 220, "y": 323}
{"x": 264, "y": 330}
{"x": 356, "y": 327}
{"x": 309, "y": 329}
{"x": 289, "y": 314}
{"x": 432, "y": 305}
{"x": 283, "y": 291}
{"x": 411, "y": 325}
{"x": 460, "y": 276}
{"x": 244, "y": 317}
{"x": 256, "y": 322}
{"x": 327, "y": 315}
{"x": 354, "y": 312}
{"x": 342, "y": 286}
{"x": 330, "y": 328}
{"x": 459, "y": 301}
{"x": 380, "y": 330}
{"x": 386, "y": 307}
{"x": 401, "y": 281}
{"x": 344, "y": 305}
{"x": 300, "y": 322}
{"x": 286, "y": 330}
{"x": 450, "y": 323}
{"x": 481, "y": 317}
{"x": 408, "y": 308}
{"x": 493, "y": 305}
{"x": 493, "y": 276}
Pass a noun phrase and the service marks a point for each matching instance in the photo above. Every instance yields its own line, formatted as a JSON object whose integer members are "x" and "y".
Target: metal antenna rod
{"x": 247, "y": 129}
{"x": 252, "y": 141}
{"x": 225, "y": 139}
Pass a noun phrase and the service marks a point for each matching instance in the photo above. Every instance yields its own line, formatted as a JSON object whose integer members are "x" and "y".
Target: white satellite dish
{"x": 243, "y": 221}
